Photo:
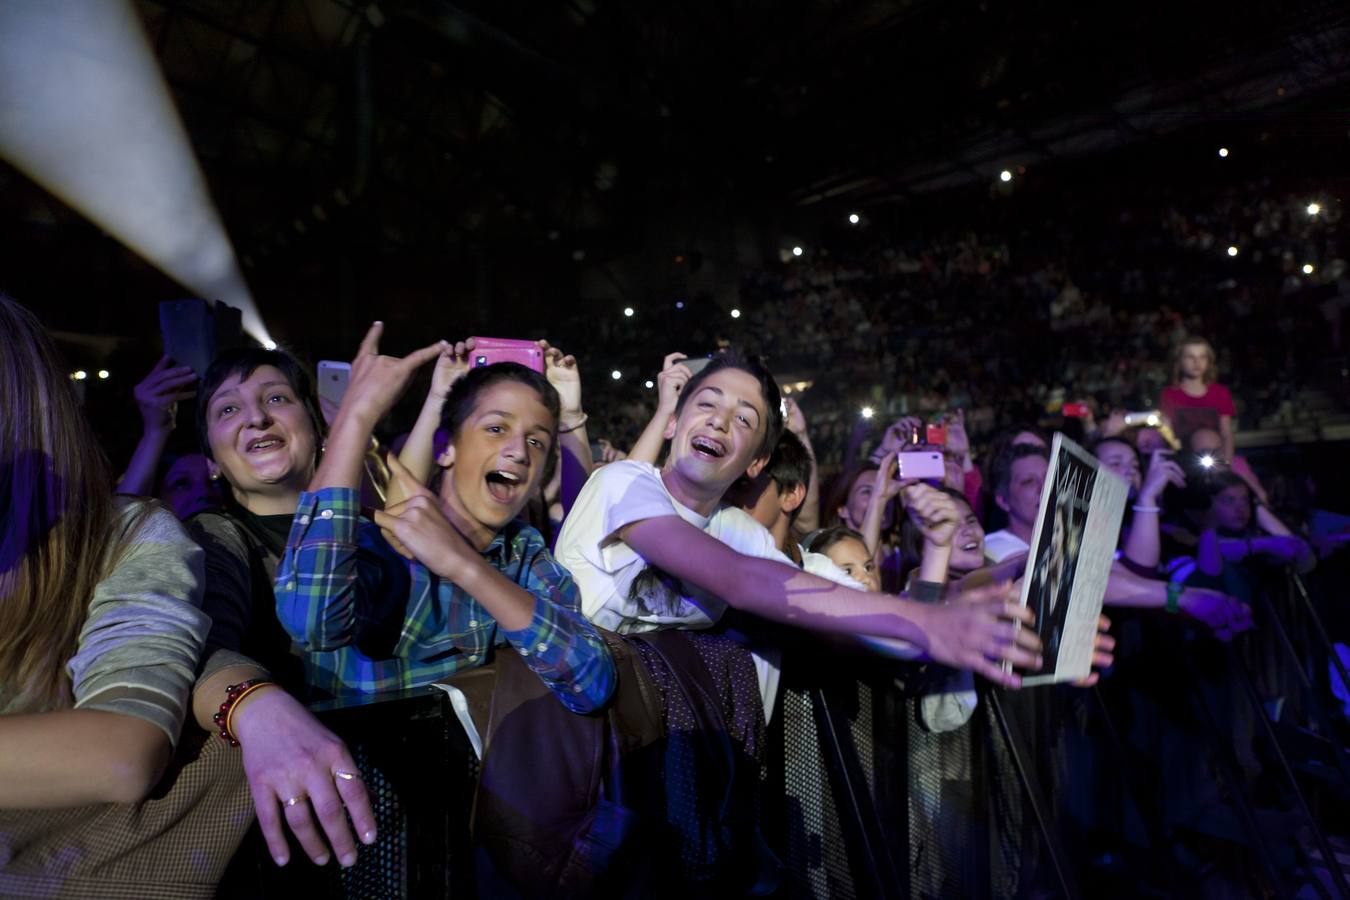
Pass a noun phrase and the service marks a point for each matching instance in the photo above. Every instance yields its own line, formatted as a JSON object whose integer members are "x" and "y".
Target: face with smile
{"x": 860, "y": 491}
{"x": 850, "y": 555}
{"x": 968, "y": 542}
{"x": 1122, "y": 460}
{"x": 718, "y": 435}
{"x": 261, "y": 436}
{"x": 499, "y": 455}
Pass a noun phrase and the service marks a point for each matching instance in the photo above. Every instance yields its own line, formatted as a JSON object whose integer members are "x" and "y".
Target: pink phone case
{"x": 487, "y": 351}
{"x": 920, "y": 464}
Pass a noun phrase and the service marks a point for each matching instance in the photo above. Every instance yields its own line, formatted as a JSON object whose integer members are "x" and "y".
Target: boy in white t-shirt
{"x": 656, "y": 549}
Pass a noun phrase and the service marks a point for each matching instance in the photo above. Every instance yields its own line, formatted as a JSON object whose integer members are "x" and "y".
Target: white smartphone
{"x": 334, "y": 377}
{"x": 920, "y": 464}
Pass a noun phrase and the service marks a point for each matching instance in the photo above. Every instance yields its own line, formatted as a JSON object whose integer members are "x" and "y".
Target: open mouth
{"x": 503, "y": 485}
{"x": 971, "y": 547}
{"x": 708, "y": 448}
{"x": 264, "y": 444}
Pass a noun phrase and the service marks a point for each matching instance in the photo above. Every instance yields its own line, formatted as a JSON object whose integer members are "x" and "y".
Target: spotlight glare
{"x": 735, "y": 313}
{"x": 1005, "y": 176}
{"x": 796, "y": 251}
{"x": 1223, "y": 152}
{"x": 628, "y": 311}
{"x": 853, "y": 218}
{"x": 616, "y": 374}
{"x": 649, "y": 385}
{"x": 80, "y": 375}
{"x": 269, "y": 345}
{"x": 866, "y": 412}
{"x": 1314, "y": 208}
{"x": 1207, "y": 461}
{"x": 103, "y": 374}
{"x": 1232, "y": 251}
{"x": 1308, "y": 268}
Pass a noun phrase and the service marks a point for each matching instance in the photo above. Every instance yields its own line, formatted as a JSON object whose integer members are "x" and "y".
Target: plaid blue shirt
{"x": 368, "y": 620}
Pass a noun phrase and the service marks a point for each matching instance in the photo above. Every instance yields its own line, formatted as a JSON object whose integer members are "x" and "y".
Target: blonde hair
{"x": 56, "y": 511}
{"x": 1211, "y": 371}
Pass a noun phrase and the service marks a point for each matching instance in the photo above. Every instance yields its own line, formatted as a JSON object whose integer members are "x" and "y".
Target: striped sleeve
{"x": 141, "y": 643}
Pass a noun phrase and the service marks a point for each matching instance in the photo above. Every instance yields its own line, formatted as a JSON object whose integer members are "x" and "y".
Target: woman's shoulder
{"x": 143, "y": 521}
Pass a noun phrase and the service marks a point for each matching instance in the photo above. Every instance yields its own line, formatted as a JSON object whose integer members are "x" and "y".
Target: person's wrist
{"x": 251, "y": 712}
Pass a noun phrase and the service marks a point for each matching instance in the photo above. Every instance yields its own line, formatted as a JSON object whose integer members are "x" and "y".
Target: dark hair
{"x": 463, "y": 397}
{"x": 790, "y": 465}
{"x": 1001, "y": 469}
{"x": 842, "y": 486}
{"x": 911, "y": 536}
{"x": 244, "y": 362}
{"x": 1119, "y": 439}
{"x": 826, "y": 538}
{"x": 733, "y": 358}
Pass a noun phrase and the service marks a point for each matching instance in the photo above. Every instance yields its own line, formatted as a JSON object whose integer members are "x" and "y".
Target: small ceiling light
{"x": 854, "y": 218}
{"x": 1005, "y": 176}
{"x": 735, "y": 313}
{"x": 1308, "y": 268}
{"x": 103, "y": 374}
{"x": 679, "y": 304}
{"x": 1314, "y": 208}
{"x": 796, "y": 251}
{"x": 867, "y": 412}
{"x": 649, "y": 384}
{"x": 1223, "y": 152}
{"x": 628, "y": 311}
{"x": 616, "y": 374}
{"x": 79, "y": 375}
{"x": 1232, "y": 251}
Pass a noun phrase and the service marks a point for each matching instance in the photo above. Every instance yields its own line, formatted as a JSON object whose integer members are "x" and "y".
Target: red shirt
{"x": 1187, "y": 413}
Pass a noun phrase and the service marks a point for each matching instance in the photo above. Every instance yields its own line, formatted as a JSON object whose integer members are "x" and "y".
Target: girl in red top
{"x": 1196, "y": 399}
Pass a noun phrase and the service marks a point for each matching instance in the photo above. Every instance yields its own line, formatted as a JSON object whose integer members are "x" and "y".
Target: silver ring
{"x": 345, "y": 775}
{"x": 294, "y": 801}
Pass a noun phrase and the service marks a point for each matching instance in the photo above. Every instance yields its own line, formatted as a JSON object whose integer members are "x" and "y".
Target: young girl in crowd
{"x": 1195, "y": 399}
{"x": 102, "y": 632}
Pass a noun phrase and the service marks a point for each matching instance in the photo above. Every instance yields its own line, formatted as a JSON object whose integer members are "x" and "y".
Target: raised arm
{"x": 564, "y": 374}
{"x": 418, "y": 451}
{"x": 672, "y": 379}
{"x": 808, "y": 519}
{"x": 1143, "y": 546}
{"x": 976, "y": 635}
{"x": 157, "y": 396}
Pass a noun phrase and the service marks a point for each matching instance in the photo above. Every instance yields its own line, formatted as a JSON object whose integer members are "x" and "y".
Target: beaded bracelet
{"x": 233, "y": 694}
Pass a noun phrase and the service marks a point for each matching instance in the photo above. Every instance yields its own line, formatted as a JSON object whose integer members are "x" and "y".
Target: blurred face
{"x": 718, "y": 433}
{"x": 1232, "y": 508}
{"x": 499, "y": 456}
{"x": 1194, "y": 360}
{"x": 851, "y": 556}
{"x": 1123, "y": 461}
{"x": 261, "y": 437}
{"x": 968, "y": 542}
{"x": 1023, "y": 500}
{"x": 854, "y": 509}
{"x": 1206, "y": 442}
{"x": 1150, "y": 439}
{"x": 188, "y": 488}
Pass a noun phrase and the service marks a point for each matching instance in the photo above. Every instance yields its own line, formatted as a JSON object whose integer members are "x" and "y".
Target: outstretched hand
{"x": 1224, "y": 615}
{"x": 980, "y": 629}
{"x": 378, "y": 381}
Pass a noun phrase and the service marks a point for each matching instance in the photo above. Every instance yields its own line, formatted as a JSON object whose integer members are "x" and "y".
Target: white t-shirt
{"x": 604, "y": 567}
{"x": 1002, "y": 544}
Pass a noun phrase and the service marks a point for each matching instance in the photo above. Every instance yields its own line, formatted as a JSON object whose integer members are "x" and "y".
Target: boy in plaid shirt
{"x": 474, "y": 578}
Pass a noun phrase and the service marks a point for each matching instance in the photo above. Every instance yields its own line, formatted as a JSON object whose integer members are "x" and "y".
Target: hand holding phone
{"x": 920, "y": 464}
{"x": 489, "y": 351}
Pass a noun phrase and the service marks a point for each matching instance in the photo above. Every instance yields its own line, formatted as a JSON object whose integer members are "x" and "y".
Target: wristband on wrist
{"x": 1174, "y": 592}
{"x": 564, "y": 428}
{"x": 233, "y": 694}
{"x": 1146, "y": 509}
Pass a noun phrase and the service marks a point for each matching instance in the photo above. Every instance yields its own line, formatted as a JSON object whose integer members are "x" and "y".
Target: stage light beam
{"x": 85, "y": 112}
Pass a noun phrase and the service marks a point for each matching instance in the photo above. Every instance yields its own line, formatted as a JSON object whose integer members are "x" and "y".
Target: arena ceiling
{"x": 560, "y": 125}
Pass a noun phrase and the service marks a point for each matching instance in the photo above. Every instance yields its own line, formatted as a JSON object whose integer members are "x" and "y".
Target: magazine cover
{"x": 1072, "y": 550}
